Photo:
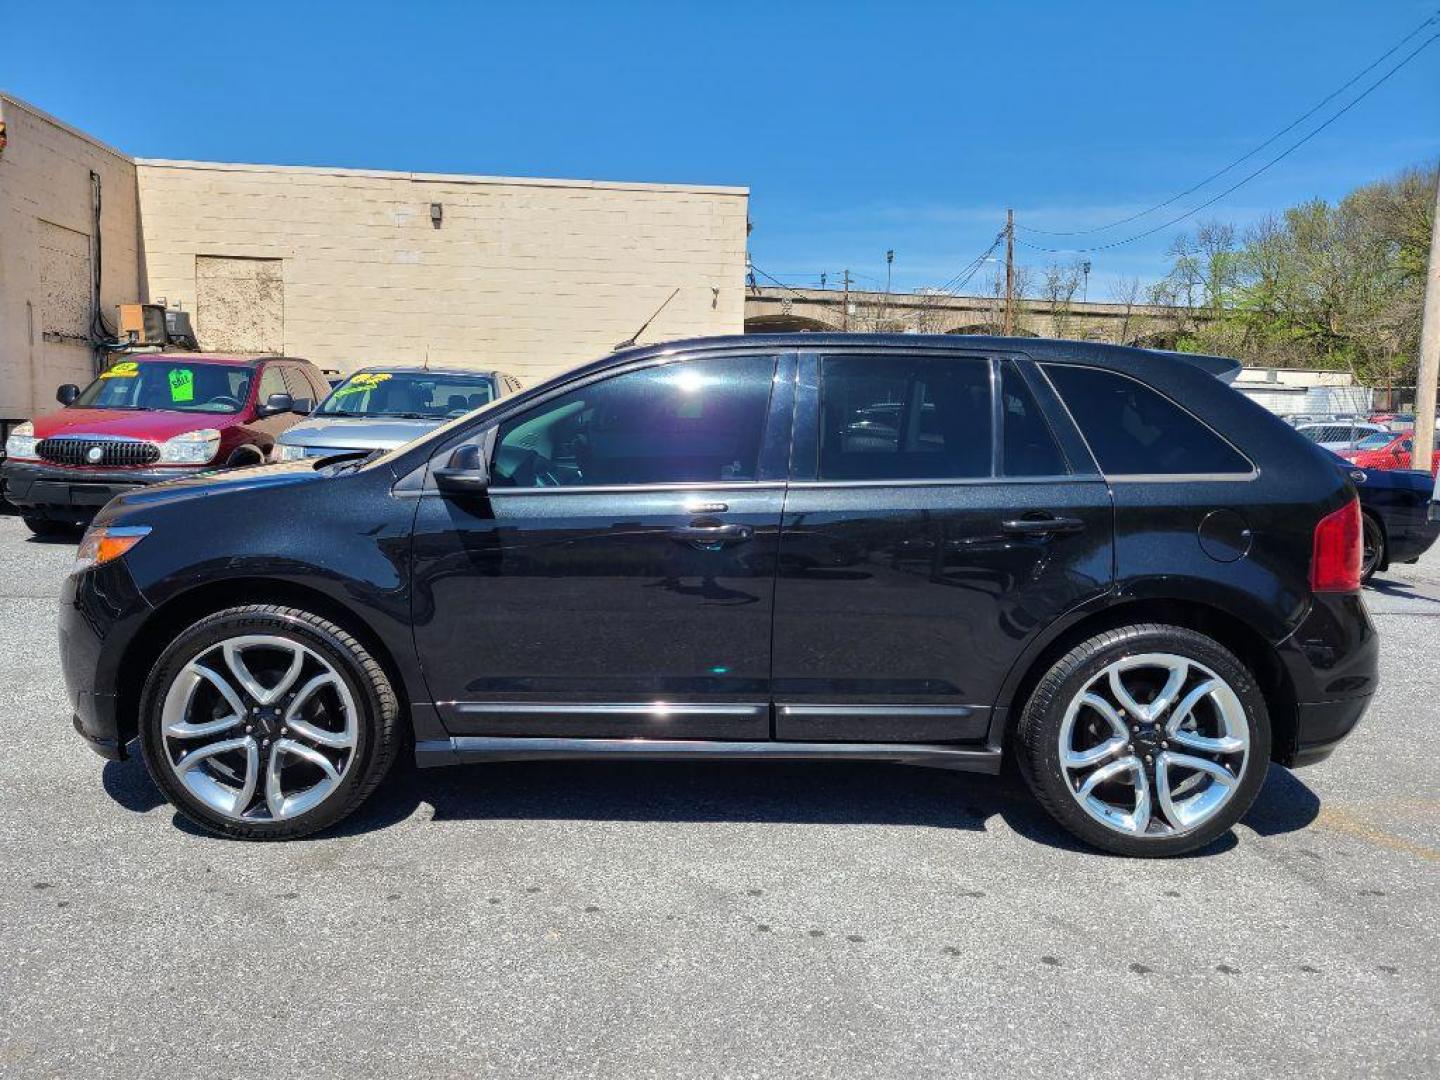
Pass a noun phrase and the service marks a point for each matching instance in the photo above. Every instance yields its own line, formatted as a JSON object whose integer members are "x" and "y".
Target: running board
{"x": 466, "y": 749}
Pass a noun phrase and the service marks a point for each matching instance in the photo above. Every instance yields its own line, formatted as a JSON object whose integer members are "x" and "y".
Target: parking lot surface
{"x": 678, "y": 920}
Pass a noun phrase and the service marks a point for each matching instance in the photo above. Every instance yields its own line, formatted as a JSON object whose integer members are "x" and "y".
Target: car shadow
{"x": 804, "y": 793}
{"x": 1398, "y": 588}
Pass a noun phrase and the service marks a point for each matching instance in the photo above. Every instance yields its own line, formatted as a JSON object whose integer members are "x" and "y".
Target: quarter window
{"x": 1132, "y": 430}
{"x": 1029, "y": 448}
{"x": 904, "y": 418}
{"x": 271, "y": 382}
{"x": 694, "y": 421}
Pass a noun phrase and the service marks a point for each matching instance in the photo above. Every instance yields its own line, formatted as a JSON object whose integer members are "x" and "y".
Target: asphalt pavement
{"x": 714, "y": 920}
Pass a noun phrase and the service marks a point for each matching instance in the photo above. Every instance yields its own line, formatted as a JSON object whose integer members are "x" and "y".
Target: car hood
{"x": 357, "y": 432}
{"x": 155, "y": 424}
{"x": 229, "y": 481}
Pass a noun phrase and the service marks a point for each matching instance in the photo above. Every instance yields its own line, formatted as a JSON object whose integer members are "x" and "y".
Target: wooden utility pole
{"x": 1429, "y": 353}
{"x": 1009, "y": 327}
{"x": 845, "y": 311}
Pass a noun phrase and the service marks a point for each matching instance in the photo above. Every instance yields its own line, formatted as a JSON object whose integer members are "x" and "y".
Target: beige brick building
{"x": 346, "y": 266}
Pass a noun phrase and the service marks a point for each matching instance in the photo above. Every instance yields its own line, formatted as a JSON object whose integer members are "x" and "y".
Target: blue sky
{"x": 857, "y": 127}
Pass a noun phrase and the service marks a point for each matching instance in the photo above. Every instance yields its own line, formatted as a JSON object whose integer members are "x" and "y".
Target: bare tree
{"x": 1058, "y": 285}
{"x": 1126, "y": 292}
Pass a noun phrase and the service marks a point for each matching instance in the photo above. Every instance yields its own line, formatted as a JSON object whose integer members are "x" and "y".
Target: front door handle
{"x": 1049, "y": 525}
{"x": 711, "y": 535}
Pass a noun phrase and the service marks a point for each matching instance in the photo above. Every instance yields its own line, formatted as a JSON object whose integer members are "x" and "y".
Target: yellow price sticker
{"x": 126, "y": 369}
{"x": 361, "y": 383}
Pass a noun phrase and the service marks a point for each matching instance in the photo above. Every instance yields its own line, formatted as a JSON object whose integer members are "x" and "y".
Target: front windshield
{"x": 1378, "y": 441}
{"x": 418, "y": 395}
{"x": 175, "y": 385}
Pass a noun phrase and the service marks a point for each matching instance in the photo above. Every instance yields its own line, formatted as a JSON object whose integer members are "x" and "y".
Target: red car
{"x": 151, "y": 418}
{"x": 1387, "y": 450}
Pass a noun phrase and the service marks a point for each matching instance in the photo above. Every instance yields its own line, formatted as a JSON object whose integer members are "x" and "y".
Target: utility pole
{"x": 1009, "y": 326}
{"x": 845, "y": 311}
{"x": 1429, "y": 353}
{"x": 889, "y": 258}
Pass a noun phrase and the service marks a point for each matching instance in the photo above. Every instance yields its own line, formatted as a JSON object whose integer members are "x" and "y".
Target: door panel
{"x": 902, "y": 601}
{"x": 618, "y": 578}
{"x": 575, "y": 599}
{"x": 917, "y": 595}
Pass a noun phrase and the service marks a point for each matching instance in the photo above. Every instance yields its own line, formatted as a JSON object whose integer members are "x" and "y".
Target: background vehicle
{"x": 1386, "y": 450}
{"x": 1339, "y": 435}
{"x": 710, "y": 549}
{"x": 378, "y": 408}
{"x": 151, "y": 418}
{"x": 1397, "y": 522}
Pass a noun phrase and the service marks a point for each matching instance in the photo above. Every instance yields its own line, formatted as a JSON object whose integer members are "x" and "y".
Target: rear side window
{"x": 904, "y": 418}
{"x": 1029, "y": 446}
{"x": 1132, "y": 430}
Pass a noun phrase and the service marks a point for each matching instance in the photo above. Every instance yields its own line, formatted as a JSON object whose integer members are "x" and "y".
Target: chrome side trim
{"x": 466, "y": 749}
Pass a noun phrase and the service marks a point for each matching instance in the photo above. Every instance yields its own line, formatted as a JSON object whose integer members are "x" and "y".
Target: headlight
{"x": 190, "y": 447}
{"x": 21, "y": 443}
{"x": 288, "y": 453}
{"x": 100, "y": 545}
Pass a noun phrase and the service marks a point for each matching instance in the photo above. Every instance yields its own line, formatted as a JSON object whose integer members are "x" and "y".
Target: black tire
{"x": 43, "y": 526}
{"x": 1038, "y": 736}
{"x": 1374, "y": 537}
{"x": 379, "y": 727}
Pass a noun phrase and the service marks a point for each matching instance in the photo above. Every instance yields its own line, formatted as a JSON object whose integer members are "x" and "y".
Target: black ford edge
{"x": 933, "y": 551}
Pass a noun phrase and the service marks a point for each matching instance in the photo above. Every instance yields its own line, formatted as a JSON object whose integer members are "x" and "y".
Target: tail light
{"x": 1338, "y": 552}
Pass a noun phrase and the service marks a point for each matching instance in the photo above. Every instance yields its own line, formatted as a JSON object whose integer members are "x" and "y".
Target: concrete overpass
{"x": 779, "y": 309}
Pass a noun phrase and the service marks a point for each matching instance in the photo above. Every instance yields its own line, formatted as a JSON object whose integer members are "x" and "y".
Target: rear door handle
{"x": 1042, "y": 526}
{"x": 711, "y": 535}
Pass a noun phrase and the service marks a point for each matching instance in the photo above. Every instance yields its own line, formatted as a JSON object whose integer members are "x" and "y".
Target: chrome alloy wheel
{"x": 1154, "y": 745}
{"x": 259, "y": 728}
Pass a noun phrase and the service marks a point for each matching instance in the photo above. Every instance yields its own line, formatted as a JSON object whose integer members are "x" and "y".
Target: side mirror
{"x": 466, "y": 473}
{"x": 67, "y": 393}
{"x": 278, "y": 403}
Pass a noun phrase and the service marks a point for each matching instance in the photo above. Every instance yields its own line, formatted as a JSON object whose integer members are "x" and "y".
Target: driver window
{"x": 692, "y": 421}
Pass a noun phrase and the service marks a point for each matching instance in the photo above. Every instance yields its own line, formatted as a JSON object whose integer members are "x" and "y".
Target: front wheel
{"x": 1146, "y": 741}
{"x": 267, "y": 723}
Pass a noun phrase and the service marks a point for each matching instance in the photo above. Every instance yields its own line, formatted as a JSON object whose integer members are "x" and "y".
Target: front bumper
{"x": 100, "y": 612}
{"x": 67, "y": 494}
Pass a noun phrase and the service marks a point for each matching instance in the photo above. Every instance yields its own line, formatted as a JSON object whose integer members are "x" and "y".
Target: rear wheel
{"x": 1374, "y": 556}
{"x": 1148, "y": 740}
{"x": 267, "y": 723}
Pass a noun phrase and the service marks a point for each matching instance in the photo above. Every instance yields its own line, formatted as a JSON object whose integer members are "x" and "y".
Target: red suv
{"x": 151, "y": 418}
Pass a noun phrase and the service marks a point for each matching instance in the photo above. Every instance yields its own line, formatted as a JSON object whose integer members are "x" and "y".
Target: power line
{"x": 1250, "y": 153}
{"x": 1251, "y": 176}
{"x": 777, "y": 281}
{"x": 970, "y": 269}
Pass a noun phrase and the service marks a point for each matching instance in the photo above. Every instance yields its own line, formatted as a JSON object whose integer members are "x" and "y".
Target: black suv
{"x": 929, "y": 550}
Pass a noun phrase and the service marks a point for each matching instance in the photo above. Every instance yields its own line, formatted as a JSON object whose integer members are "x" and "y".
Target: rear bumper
{"x": 1333, "y": 663}
{"x": 68, "y": 494}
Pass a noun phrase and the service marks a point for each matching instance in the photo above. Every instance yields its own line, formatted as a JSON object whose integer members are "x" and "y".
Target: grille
{"x": 114, "y": 453}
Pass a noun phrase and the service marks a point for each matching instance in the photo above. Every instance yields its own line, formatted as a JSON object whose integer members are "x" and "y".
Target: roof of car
{"x": 1045, "y": 349}
{"x": 213, "y": 358}
{"x": 419, "y": 369}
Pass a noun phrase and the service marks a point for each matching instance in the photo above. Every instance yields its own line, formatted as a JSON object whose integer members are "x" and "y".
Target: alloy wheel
{"x": 1374, "y": 541}
{"x": 1154, "y": 745}
{"x": 259, "y": 728}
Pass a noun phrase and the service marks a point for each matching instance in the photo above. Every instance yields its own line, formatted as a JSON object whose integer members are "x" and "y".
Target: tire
{"x": 1060, "y": 710}
{"x": 1374, "y": 538}
{"x": 336, "y": 706}
{"x": 43, "y": 526}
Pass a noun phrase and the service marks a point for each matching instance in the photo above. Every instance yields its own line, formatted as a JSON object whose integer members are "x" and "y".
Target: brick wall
{"x": 531, "y": 276}
{"x": 45, "y": 252}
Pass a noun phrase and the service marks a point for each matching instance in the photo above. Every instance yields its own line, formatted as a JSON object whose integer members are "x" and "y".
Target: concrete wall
{"x": 346, "y": 267}
{"x": 46, "y": 251}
